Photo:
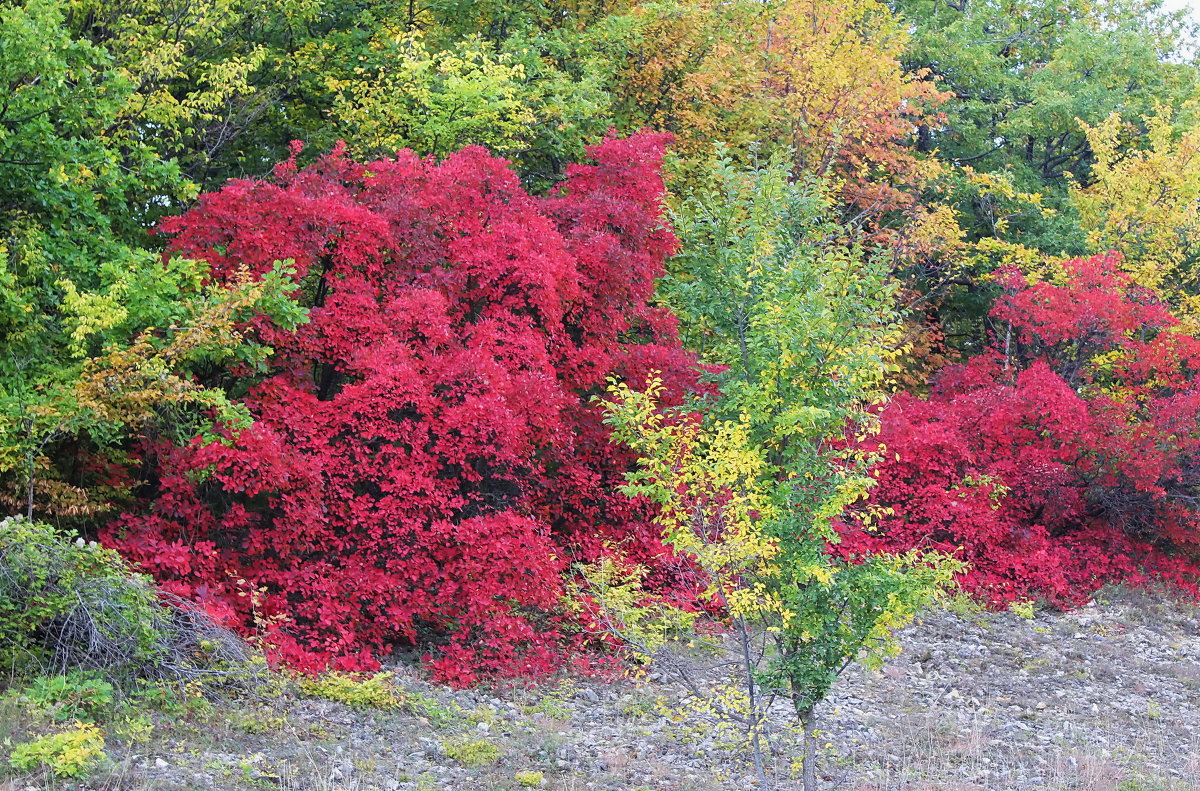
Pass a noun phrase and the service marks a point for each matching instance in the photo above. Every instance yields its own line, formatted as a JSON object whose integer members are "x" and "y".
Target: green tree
{"x": 435, "y": 103}
{"x": 802, "y": 325}
{"x": 77, "y": 191}
{"x": 1024, "y": 74}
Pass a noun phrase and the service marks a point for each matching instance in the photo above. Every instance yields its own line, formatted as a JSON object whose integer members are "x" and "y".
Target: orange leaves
{"x": 851, "y": 108}
{"x": 697, "y": 70}
{"x": 825, "y": 79}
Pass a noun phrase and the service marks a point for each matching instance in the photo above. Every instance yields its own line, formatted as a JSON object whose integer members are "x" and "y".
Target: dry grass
{"x": 938, "y": 756}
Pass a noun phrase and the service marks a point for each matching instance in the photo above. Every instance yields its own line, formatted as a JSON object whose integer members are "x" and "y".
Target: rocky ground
{"x": 1106, "y": 698}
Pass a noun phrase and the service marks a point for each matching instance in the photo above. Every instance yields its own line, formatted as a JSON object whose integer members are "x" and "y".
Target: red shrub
{"x": 424, "y": 457}
{"x": 1072, "y": 462}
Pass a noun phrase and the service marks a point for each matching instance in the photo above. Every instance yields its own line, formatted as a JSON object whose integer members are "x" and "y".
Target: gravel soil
{"x": 1105, "y": 698}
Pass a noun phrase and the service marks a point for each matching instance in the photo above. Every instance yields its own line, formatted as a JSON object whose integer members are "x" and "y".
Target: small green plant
{"x": 252, "y": 771}
{"x": 262, "y": 776}
{"x": 1036, "y": 663}
{"x": 530, "y": 778}
{"x": 440, "y": 715}
{"x": 964, "y": 606}
{"x": 77, "y": 695}
{"x": 198, "y": 707}
{"x": 134, "y": 728}
{"x": 167, "y": 698}
{"x": 1022, "y": 609}
{"x": 639, "y": 705}
{"x": 1141, "y": 784}
{"x": 355, "y": 690}
{"x": 645, "y": 622}
{"x": 551, "y": 701}
{"x": 71, "y": 753}
{"x": 258, "y": 720}
{"x": 471, "y": 753}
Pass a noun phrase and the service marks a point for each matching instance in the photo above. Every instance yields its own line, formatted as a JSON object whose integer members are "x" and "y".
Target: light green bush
{"x": 72, "y": 605}
{"x": 529, "y": 779}
{"x": 471, "y": 753}
{"x": 355, "y": 689}
{"x": 71, "y": 753}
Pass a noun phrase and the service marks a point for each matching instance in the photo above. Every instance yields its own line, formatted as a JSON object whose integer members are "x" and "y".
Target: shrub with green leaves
{"x": 73, "y": 753}
{"x": 52, "y": 589}
{"x": 472, "y": 753}
{"x": 355, "y": 689}
{"x": 75, "y": 695}
{"x": 72, "y": 605}
{"x": 529, "y": 779}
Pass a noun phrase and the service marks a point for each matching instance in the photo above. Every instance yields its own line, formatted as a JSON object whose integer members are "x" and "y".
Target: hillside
{"x": 1103, "y": 698}
{"x": 354, "y": 352}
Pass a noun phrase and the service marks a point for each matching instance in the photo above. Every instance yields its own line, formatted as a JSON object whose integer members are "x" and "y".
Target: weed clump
{"x": 530, "y": 779}
{"x": 471, "y": 753}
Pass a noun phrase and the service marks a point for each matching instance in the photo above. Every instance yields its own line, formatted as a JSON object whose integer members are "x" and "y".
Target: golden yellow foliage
{"x": 1145, "y": 202}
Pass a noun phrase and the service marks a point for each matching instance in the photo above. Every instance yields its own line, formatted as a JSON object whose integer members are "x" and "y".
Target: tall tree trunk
{"x": 30, "y": 469}
{"x": 924, "y": 138}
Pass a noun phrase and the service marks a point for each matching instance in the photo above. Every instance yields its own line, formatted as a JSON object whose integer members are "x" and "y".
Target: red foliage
{"x": 1072, "y": 462}
{"x": 424, "y": 455}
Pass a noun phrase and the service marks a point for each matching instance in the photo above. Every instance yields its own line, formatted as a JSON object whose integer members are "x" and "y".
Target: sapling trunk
{"x": 752, "y": 695}
{"x": 808, "y": 727}
{"x": 30, "y": 470}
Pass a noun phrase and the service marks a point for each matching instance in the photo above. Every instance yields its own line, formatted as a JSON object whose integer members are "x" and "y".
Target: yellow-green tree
{"x": 406, "y": 96}
{"x": 750, "y": 484}
{"x": 1144, "y": 200}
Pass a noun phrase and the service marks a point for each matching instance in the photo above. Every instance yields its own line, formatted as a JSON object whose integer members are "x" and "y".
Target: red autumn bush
{"x": 1071, "y": 461}
{"x": 424, "y": 457}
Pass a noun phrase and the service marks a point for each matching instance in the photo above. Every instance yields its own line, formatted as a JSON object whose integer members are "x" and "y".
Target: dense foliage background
{"x": 304, "y": 305}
